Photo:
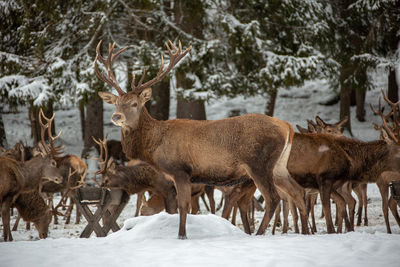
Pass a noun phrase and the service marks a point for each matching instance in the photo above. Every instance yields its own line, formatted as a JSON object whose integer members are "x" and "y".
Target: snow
{"x": 152, "y": 241}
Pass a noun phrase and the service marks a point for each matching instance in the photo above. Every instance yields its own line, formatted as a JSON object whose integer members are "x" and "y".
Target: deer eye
{"x": 53, "y": 163}
{"x": 134, "y": 105}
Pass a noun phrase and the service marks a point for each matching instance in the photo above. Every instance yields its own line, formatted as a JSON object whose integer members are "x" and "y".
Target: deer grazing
{"x": 32, "y": 208}
{"x": 136, "y": 177}
{"x": 218, "y": 152}
{"x": 17, "y": 177}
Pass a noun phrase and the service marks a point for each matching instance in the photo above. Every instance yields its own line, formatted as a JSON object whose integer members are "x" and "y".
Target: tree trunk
{"x": 269, "y": 109}
{"x": 82, "y": 117}
{"x": 159, "y": 106}
{"x": 345, "y": 91}
{"x": 393, "y": 89}
{"x": 190, "y": 109}
{"x": 353, "y": 97}
{"x": 360, "y": 99}
{"x": 3, "y": 140}
{"x": 93, "y": 123}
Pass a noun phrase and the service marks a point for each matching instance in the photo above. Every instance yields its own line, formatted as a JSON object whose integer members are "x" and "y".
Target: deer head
{"x": 42, "y": 224}
{"x": 334, "y": 129}
{"x": 130, "y": 104}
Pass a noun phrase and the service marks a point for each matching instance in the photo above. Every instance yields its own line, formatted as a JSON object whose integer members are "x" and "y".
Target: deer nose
{"x": 116, "y": 117}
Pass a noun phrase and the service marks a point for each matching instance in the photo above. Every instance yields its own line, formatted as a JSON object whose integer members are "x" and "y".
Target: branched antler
{"x": 103, "y": 153}
{"x": 174, "y": 57}
{"x": 390, "y": 120}
{"x": 51, "y": 149}
{"x": 111, "y": 80}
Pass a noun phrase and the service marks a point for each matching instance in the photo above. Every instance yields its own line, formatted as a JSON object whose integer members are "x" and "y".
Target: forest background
{"x": 249, "y": 48}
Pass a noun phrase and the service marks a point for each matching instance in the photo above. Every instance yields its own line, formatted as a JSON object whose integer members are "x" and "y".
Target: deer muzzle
{"x": 118, "y": 119}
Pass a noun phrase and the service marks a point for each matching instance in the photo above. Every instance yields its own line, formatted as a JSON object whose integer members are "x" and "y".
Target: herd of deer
{"x": 180, "y": 160}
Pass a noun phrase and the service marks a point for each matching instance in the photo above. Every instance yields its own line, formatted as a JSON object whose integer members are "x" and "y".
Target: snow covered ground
{"x": 212, "y": 241}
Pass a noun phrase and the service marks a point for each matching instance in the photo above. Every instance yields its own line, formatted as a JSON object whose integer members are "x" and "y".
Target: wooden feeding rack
{"x": 109, "y": 203}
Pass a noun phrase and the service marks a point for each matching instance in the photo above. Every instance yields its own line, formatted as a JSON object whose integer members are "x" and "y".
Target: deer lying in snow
{"x": 220, "y": 152}
{"x": 137, "y": 177}
{"x": 32, "y": 208}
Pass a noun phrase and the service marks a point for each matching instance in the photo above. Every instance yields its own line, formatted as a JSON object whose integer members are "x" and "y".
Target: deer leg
{"x": 285, "y": 209}
{"x": 244, "y": 204}
{"x": 350, "y": 201}
{"x": 5, "y": 217}
{"x": 383, "y": 189}
{"x": 195, "y": 205}
{"x": 15, "y": 227}
{"x": 297, "y": 195}
{"x": 357, "y": 189}
{"x": 139, "y": 201}
{"x": 205, "y": 202}
{"x": 183, "y": 190}
{"x": 210, "y": 194}
{"x": 271, "y": 198}
{"x": 277, "y": 217}
{"x": 234, "y": 213}
{"x": 325, "y": 193}
{"x": 365, "y": 202}
{"x": 221, "y": 201}
{"x": 341, "y": 211}
{"x": 393, "y": 209}
{"x": 311, "y": 201}
{"x": 295, "y": 216}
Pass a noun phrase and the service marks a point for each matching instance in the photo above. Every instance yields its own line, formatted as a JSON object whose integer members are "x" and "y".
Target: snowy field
{"x": 212, "y": 241}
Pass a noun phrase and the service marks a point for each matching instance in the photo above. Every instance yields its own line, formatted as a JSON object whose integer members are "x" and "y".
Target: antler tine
{"x": 174, "y": 58}
{"x": 111, "y": 80}
{"x": 395, "y": 122}
{"x": 54, "y": 150}
{"x": 103, "y": 151}
{"x": 42, "y": 132}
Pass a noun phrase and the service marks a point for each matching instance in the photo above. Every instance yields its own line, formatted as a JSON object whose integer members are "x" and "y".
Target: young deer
{"x": 218, "y": 152}
{"x": 32, "y": 208}
{"x": 135, "y": 178}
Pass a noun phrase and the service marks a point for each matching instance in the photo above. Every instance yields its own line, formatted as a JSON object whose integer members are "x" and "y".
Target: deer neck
{"x": 32, "y": 172}
{"x": 140, "y": 142}
{"x": 370, "y": 158}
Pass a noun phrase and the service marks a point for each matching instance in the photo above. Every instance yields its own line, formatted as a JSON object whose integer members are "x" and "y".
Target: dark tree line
{"x": 239, "y": 48}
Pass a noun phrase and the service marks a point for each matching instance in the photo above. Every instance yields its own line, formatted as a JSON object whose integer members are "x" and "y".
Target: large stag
{"x": 218, "y": 152}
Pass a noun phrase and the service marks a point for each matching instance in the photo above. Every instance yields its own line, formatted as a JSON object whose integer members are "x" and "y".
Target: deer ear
{"x": 319, "y": 121}
{"x": 145, "y": 95}
{"x": 301, "y": 129}
{"x": 108, "y": 97}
